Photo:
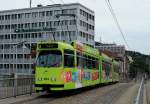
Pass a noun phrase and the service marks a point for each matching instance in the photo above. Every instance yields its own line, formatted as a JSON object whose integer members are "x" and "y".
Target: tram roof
{"x": 85, "y": 49}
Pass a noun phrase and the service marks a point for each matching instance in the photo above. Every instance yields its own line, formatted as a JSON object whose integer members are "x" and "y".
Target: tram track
{"x": 102, "y": 95}
{"x": 37, "y": 100}
{"x": 99, "y": 95}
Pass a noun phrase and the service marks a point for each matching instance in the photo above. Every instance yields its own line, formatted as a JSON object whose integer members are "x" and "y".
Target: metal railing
{"x": 14, "y": 87}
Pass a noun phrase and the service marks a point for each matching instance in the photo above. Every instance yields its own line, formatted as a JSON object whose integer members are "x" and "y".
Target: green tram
{"x": 62, "y": 66}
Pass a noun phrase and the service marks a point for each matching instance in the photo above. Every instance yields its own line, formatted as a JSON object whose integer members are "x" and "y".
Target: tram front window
{"x": 51, "y": 58}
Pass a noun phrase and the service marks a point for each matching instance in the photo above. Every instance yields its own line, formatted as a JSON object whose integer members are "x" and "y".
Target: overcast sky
{"x": 133, "y": 16}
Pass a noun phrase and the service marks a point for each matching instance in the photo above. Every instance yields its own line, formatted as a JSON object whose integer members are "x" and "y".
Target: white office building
{"x": 25, "y": 27}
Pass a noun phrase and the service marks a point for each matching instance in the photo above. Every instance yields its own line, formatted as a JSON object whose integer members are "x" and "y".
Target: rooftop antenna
{"x": 30, "y": 3}
{"x": 100, "y": 39}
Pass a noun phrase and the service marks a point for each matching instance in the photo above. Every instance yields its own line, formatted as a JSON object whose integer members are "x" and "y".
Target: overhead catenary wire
{"x": 59, "y": 22}
{"x": 52, "y": 1}
{"x": 62, "y": 1}
{"x": 116, "y": 22}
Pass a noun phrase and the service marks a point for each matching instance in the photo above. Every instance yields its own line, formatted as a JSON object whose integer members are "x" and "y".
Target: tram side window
{"x": 68, "y": 58}
{"x": 106, "y": 67}
{"x": 89, "y": 62}
{"x": 92, "y": 62}
{"x": 79, "y": 60}
{"x": 95, "y": 63}
{"x": 86, "y": 62}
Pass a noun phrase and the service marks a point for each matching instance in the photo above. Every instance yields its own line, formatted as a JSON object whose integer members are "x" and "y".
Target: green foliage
{"x": 140, "y": 64}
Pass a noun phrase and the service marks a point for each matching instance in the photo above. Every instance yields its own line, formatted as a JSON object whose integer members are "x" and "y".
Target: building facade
{"x": 119, "y": 51}
{"x": 67, "y": 22}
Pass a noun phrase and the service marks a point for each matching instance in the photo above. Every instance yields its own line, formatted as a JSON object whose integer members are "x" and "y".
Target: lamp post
{"x": 69, "y": 15}
{"x": 15, "y": 75}
{"x": 149, "y": 68}
{"x": 15, "y": 60}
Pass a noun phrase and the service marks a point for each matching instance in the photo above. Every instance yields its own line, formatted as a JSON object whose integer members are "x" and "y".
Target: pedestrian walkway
{"x": 147, "y": 92}
{"x": 19, "y": 98}
{"x": 129, "y": 96}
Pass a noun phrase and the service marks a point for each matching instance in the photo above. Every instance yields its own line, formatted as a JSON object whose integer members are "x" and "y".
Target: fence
{"x": 13, "y": 87}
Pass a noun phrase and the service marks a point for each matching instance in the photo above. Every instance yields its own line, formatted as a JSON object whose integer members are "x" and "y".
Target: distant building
{"x": 59, "y": 22}
{"x": 128, "y": 61}
{"x": 119, "y": 51}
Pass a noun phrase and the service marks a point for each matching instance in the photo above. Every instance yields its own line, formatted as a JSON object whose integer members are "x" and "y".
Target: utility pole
{"x": 149, "y": 65}
{"x": 30, "y": 3}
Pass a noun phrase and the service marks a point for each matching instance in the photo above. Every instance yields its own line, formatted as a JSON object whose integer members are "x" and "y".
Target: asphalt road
{"x": 109, "y": 94}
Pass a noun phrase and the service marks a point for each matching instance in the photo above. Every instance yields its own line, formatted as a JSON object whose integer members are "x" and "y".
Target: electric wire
{"x": 59, "y": 22}
{"x": 52, "y": 1}
{"x": 67, "y": 22}
{"x": 62, "y": 1}
{"x": 116, "y": 21}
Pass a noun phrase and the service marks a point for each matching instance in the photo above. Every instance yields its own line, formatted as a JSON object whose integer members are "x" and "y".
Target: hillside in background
{"x": 140, "y": 63}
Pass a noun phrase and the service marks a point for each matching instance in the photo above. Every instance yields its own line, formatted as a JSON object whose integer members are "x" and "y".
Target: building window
{"x": 1, "y": 37}
{"x": 13, "y": 26}
{"x": 56, "y": 23}
{"x": 42, "y": 14}
{"x": 35, "y": 14}
{"x": 20, "y": 56}
{"x": 19, "y": 16}
{"x": 49, "y": 24}
{"x": 19, "y": 66}
{"x": 27, "y": 25}
{"x": 34, "y": 25}
{"x": 1, "y": 66}
{"x": 57, "y": 12}
{"x": 6, "y": 56}
{"x": 1, "y": 46}
{"x": 81, "y": 11}
{"x": 1, "y": 27}
{"x": 72, "y": 11}
{"x": 6, "y": 66}
{"x": 72, "y": 22}
{"x": 49, "y": 13}
{"x": 93, "y": 18}
{"x": 1, "y": 56}
{"x": 14, "y": 16}
{"x": 1, "y": 17}
{"x": 39, "y": 35}
{"x": 86, "y": 15}
{"x": 65, "y": 11}
{"x": 41, "y": 24}
{"x": 13, "y": 36}
{"x": 7, "y": 17}
{"x": 27, "y": 15}
{"x": 80, "y": 34}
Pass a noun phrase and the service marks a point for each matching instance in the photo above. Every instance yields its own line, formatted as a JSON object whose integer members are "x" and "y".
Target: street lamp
{"x": 15, "y": 49}
{"x": 15, "y": 76}
{"x": 69, "y": 15}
